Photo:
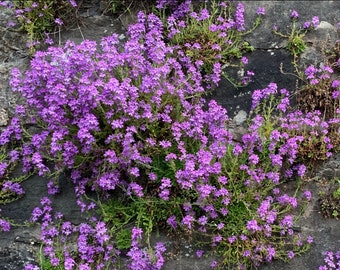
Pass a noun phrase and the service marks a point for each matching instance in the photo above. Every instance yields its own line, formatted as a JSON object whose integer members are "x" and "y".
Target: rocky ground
{"x": 20, "y": 245}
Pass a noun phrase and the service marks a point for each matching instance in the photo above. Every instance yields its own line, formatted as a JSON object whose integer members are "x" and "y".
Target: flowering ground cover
{"x": 130, "y": 121}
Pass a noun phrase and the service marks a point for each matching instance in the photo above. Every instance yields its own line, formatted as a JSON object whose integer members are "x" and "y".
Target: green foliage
{"x": 147, "y": 213}
{"x": 295, "y": 43}
{"x": 330, "y": 200}
{"x": 123, "y": 239}
{"x": 38, "y": 18}
{"x": 199, "y": 41}
{"x": 122, "y": 6}
{"x": 7, "y": 195}
{"x": 45, "y": 263}
{"x": 319, "y": 93}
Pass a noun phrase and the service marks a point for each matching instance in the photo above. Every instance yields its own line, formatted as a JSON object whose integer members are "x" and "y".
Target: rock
{"x": 240, "y": 118}
{"x": 92, "y": 28}
{"x": 269, "y": 66}
{"x": 330, "y": 168}
{"x": 278, "y": 13}
{"x": 311, "y": 56}
{"x": 324, "y": 36}
{"x": 3, "y": 117}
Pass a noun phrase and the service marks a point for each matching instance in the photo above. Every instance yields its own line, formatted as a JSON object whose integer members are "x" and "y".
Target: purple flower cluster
{"x": 5, "y": 225}
{"x": 38, "y": 17}
{"x": 314, "y": 75}
{"x": 86, "y": 245}
{"x": 139, "y": 258}
{"x": 210, "y": 37}
{"x": 296, "y": 45}
{"x": 332, "y": 260}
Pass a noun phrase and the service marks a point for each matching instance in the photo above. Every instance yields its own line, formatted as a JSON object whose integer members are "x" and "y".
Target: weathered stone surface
{"x": 13, "y": 53}
{"x": 330, "y": 168}
{"x": 278, "y": 13}
{"x": 272, "y": 65}
{"x": 240, "y": 118}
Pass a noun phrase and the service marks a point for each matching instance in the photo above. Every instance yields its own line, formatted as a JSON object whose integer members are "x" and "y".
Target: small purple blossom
{"x": 252, "y": 226}
{"x": 58, "y": 21}
{"x": 172, "y": 222}
{"x": 294, "y": 14}
{"x": 204, "y": 14}
{"x": 335, "y": 83}
{"x": 199, "y": 253}
{"x": 306, "y": 25}
{"x": 315, "y": 21}
{"x": 310, "y": 239}
{"x": 188, "y": 221}
{"x": 73, "y": 3}
{"x": 5, "y": 225}
{"x": 261, "y": 11}
{"x": 244, "y": 60}
{"x": 291, "y": 254}
{"x": 308, "y": 195}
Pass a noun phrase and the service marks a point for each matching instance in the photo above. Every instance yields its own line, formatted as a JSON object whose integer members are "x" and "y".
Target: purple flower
{"x": 73, "y": 3}
{"x": 335, "y": 94}
{"x": 237, "y": 150}
{"x": 276, "y": 160}
{"x": 283, "y": 105}
{"x": 58, "y": 21}
{"x": 287, "y": 221}
{"x": 136, "y": 233}
{"x": 271, "y": 253}
{"x": 308, "y": 195}
{"x": 218, "y": 238}
{"x": 172, "y": 221}
{"x": 52, "y": 188}
{"x": 261, "y": 11}
{"x": 69, "y": 263}
{"x": 3, "y": 167}
{"x": 294, "y": 14}
{"x": 254, "y": 159}
{"x": 5, "y": 225}
{"x": 315, "y": 21}
{"x": 285, "y": 199}
{"x": 244, "y": 60}
{"x": 13, "y": 187}
{"x": 108, "y": 181}
{"x": 239, "y": 17}
{"x": 165, "y": 144}
{"x": 310, "y": 72}
{"x": 188, "y": 221}
{"x": 14, "y": 156}
{"x": 314, "y": 81}
{"x": 290, "y": 254}
{"x": 310, "y": 239}
{"x": 213, "y": 264}
{"x": 252, "y": 226}
{"x": 232, "y": 239}
{"x": 246, "y": 253}
{"x": 301, "y": 170}
{"x": 335, "y": 83}
{"x": 31, "y": 267}
{"x": 306, "y": 25}
{"x": 223, "y": 180}
{"x": 136, "y": 189}
{"x": 199, "y": 253}
{"x": 204, "y": 14}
